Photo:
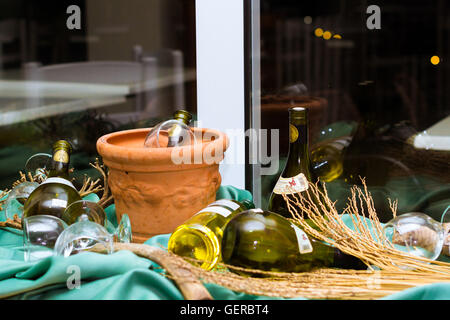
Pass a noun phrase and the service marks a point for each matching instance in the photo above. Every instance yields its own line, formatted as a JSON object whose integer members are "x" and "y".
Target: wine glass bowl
{"x": 445, "y": 220}
{"x": 40, "y": 233}
{"x": 17, "y": 197}
{"x": 170, "y": 133}
{"x": 83, "y": 236}
{"x": 416, "y": 234}
{"x": 123, "y": 232}
{"x": 84, "y": 210}
{"x": 38, "y": 163}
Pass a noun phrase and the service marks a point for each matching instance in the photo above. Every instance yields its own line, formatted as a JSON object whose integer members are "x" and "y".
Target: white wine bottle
{"x": 298, "y": 171}
{"x": 56, "y": 193}
{"x": 200, "y": 236}
{"x": 176, "y": 132}
{"x": 327, "y": 158}
{"x": 172, "y": 133}
{"x": 264, "y": 240}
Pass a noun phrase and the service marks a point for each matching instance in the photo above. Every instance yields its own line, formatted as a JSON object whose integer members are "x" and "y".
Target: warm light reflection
{"x": 337, "y": 36}
{"x": 435, "y": 60}
{"x": 318, "y": 32}
{"x": 327, "y": 35}
{"x": 307, "y": 20}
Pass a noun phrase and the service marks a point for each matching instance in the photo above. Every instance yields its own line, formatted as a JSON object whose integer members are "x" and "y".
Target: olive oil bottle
{"x": 298, "y": 170}
{"x": 56, "y": 193}
{"x": 200, "y": 236}
{"x": 266, "y": 241}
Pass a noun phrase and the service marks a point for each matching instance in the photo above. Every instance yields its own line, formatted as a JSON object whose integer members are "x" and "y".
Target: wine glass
{"x": 416, "y": 234}
{"x": 16, "y": 199}
{"x": 82, "y": 236}
{"x": 82, "y": 210}
{"x": 445, "y": 220}
{"x": 170, "y": 133}
{"x": 37, "y": 164}
{"x": 40, "y": 233}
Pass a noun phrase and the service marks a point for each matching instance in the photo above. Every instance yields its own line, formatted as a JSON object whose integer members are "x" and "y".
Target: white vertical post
{"x": 255, "y": 97}
{"x": 220, "y": 79}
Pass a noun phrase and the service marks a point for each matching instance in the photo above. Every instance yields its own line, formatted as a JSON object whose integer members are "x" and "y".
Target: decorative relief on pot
{"x": 157, "y": 194}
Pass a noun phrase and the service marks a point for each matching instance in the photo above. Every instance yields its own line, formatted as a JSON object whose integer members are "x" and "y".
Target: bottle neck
{"x": 248, "y": 204}
{"x": 183, "y": 116}
{"x": 60, "y": 164}
{"x": 298, "y": 155}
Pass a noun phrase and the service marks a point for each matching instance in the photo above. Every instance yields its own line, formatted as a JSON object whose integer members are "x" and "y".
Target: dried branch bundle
{"x": 367, "y": 241}
{"x": 317, "y": 284}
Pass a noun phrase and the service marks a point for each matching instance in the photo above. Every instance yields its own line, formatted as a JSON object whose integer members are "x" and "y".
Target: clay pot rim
{"x": 137, "y": 159}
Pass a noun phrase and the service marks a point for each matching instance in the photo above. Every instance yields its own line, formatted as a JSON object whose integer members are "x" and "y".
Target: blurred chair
{"x": 12, "y": 33}
{"x": 170, "y": 71}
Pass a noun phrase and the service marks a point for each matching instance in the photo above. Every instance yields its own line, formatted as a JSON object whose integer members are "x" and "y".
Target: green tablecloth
{"x": 121, "y": 275}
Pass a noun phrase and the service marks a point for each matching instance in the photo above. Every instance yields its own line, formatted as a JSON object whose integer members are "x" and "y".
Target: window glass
{"x": 375, "y": 79}
{"x": 77, "y": 70}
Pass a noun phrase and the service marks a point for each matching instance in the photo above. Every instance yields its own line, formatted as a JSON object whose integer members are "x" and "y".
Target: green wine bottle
{"x": 327, "y": 158}
{"x": 56, "y": 193}
{"x": 267, "y": 241}
{"x": 200, "y": 236}
{"x": 176, "y": 131}
{"x": 298, "y": 170}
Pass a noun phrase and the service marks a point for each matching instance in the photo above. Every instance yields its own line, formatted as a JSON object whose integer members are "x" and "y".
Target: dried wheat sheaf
{"x": 389, "y": 270}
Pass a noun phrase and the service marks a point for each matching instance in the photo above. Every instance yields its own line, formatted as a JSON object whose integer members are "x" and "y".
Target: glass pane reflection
{"x": 380, "y": 90}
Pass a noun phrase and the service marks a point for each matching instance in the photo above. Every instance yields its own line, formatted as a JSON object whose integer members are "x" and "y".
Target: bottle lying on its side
{"x": 57, "y": 192}
{"x": 264, "y": 240}
{"x": 200, "y": 236}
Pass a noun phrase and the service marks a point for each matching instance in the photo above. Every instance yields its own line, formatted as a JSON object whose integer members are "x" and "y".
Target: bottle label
{"x": 304, "y": 245}
{"x": 59, "y": 180}
{"x": 224, "y": 212}
{"x": 61, "y": 156}
{"x": 296, "y": 184}
{"x": 227, "y": 203}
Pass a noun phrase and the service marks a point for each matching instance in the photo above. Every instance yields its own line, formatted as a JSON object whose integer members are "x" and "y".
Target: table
{"x": 24, "y": 100}
{"x": 123, "y": 275}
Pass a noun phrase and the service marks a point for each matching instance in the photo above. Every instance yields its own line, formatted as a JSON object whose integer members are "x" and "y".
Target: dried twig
{"x": 89, "y": 186}
{"x": 15, "y": 223}
{"x": 3, "y": 194}
{"x": 106, "y": 198}
{"x": 24, "y": 177}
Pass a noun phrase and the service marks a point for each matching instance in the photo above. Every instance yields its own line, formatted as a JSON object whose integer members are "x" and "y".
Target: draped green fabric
{"x": 121, "y": 275}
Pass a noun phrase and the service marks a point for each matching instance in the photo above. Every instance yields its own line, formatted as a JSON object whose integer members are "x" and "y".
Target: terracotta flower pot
{"x": 153, "y": 187}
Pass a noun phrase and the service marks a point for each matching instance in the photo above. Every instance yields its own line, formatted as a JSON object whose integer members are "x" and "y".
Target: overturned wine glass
{"x": 445, "y": 221}
{"x": 175, "y": 132}
{"x": 82, "y": 210}
{"x": 416, "y": 234}
{"x": 89, "y": 227}
{"x": 38, "y": 163}
{"x": 82, "y": 236}
{"x": 40, "y": 233}
{"x": 17, "y": 197}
